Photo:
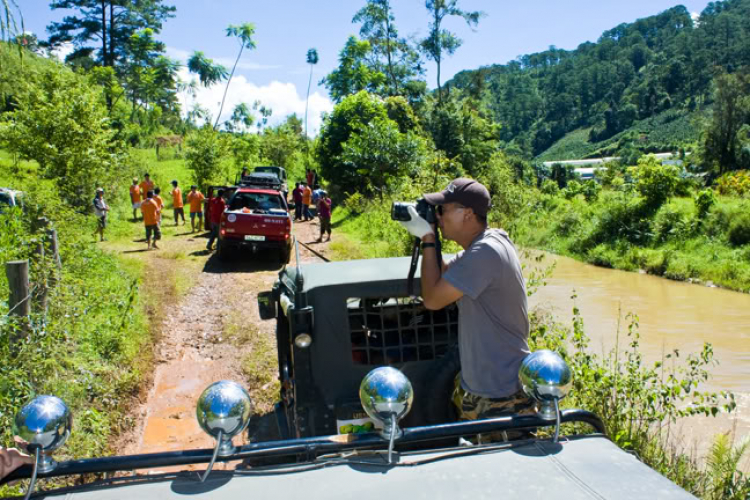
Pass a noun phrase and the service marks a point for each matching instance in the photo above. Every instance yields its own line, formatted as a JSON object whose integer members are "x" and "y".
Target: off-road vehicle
{"x": 337, "y": 321}
{"x": 388, "y": 460}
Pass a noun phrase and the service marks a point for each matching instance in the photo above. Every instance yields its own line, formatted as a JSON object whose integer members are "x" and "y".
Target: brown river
{"x": 672, "y": 315}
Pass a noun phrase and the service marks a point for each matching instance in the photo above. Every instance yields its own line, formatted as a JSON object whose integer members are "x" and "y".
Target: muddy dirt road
{"x": 211, "y": 333}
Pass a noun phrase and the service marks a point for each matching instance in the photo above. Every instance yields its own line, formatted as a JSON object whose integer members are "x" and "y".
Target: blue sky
{"x": 276, "y": 73}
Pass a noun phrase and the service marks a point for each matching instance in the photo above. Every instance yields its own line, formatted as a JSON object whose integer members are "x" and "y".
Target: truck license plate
{"x": 254, "y": 237}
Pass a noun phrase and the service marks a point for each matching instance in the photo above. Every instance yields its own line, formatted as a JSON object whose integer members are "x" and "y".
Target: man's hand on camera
{"x": 417, "y": 226}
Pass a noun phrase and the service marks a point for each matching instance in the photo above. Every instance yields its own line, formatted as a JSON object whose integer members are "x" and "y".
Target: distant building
{"x": 585, "y": 168}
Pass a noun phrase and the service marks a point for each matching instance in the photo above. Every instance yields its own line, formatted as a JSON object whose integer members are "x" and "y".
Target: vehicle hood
{"x": 589, "y": 467}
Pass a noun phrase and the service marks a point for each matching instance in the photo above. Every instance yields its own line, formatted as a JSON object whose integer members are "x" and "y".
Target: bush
{"x": 61, "y": 122}
{"x": 739, "y": 230}
{"x": 550, "y": 187}
{"x": 654, "y": 181}
{"x": 205, "y": 151}
{"x": 734, "y": 183}
{"x": 672, "y": 223}
{"x": 704, "y": 200}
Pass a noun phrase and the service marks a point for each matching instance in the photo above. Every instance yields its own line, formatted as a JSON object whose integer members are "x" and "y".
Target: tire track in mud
{"x": 195, "y": 348}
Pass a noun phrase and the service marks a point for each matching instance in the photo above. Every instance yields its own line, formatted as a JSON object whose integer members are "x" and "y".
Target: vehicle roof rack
{"x": 260, "y": 181}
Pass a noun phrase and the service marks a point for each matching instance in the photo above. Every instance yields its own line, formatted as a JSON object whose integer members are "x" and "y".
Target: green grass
{"x": 676, "y": 244}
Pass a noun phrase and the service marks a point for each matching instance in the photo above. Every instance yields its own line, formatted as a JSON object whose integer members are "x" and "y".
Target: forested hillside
{"x": 636, "y": 71}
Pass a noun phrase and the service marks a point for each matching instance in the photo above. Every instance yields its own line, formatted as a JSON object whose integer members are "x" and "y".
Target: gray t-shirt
{"x": 493, "y": 323}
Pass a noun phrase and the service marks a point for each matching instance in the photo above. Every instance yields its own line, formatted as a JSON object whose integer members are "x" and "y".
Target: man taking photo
{"x": 486, "y": 282}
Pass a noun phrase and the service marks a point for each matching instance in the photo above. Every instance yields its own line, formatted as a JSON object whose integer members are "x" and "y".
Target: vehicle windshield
{"x": 255, "y": 201}
{"x": 5, "y": 199}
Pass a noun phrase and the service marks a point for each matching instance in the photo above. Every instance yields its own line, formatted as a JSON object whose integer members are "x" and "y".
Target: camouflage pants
{"x": 473, "y": 407}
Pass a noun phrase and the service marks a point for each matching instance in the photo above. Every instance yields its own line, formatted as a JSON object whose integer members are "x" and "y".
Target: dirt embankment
{"x": 211, "y": 333}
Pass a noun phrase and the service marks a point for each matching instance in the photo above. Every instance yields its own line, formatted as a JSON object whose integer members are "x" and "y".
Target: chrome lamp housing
{"x": 44, "y": 424}
{"x": 546, "y": 378}
{"x": 387, "y": 396}
{"x": 223, "y": 411}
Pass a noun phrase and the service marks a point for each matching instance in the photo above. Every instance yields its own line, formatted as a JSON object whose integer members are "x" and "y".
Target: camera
{"x": 400, "y": 210}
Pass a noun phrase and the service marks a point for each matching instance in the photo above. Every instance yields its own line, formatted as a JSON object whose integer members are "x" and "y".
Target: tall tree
{"x": 723, "y": 137}
{"x": 440, "y": 40}
{"x": 391, "y": 54}
{"x": 244, "y": 33}
{"x": 242, "y": 118}
{"x": 354, "y": 73}
{"x": 110, "y": 23}
{"x": 148, "y": 76}
{"x": 312, "y": 60}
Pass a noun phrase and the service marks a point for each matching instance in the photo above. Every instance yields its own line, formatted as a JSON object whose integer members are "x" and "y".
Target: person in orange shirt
{"x": 151, "y": 215}
{"x": 195, "y": 198}
{"x": 159, "y": 201}
{"x": 306, "y": 200}
{"x": 177, "y": 204}
{"x": 135, "y": 198}
{"x": 146, "y": 185}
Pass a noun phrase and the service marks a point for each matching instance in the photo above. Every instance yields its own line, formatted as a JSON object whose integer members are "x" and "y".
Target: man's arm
{"x": 436, "y": 292}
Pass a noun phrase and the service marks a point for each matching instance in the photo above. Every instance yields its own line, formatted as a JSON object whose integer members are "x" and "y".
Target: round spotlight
{"x": 303, "y": 340}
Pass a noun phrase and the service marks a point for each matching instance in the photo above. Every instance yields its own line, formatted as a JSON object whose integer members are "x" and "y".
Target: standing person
{"x": 177, "y": 204}
{"x": 309, "y": 177}
{"x": 151, "y": 215}
{"x": 135, "y": 198}
{"x": 195, "y": 198}
{"x": 316, "y": 194}
{"x": 486, "y": 282}
{"x": 11, "y": 459}
{"x": 324, "y": 212}
{"x": 216, "y": 210}
{"x": 306, "y": 199}
{"x": 100, "y": 209}
{"x": 146, "y": 185}
{"x": 297, "y": 197}
{"x": 159, "y": 201}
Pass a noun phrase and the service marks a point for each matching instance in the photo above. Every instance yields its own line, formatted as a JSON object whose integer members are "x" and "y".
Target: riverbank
{"x": 675, "y": 241}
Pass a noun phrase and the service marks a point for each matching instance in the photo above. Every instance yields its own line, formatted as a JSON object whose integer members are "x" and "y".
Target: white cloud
{"x": 63, "y": 51}
{"x": 184, "y": 55}
{"x": 695, "y": 17}
{"x": 281, "y": 97}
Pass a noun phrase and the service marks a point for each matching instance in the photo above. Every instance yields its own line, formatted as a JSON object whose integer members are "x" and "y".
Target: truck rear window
{"x": 255, "y": 201}
{"x": 399, "y": 330}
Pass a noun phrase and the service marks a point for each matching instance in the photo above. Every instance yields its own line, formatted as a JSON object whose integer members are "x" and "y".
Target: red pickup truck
{"x": 257, "y": 219}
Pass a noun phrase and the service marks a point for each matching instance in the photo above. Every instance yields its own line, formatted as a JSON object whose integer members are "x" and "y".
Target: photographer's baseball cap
{"x": 466, "y": 192}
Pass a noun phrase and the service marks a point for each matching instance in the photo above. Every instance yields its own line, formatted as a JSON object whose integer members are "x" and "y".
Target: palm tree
{"x": 208, "y": 72}
{"x": 312, "y": 60}
{"x": 244, "y": 33}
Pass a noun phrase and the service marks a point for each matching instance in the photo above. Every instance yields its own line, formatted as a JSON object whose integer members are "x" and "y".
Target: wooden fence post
{"x": 41, "y": 292}
{"x": 55, "y": 250}
{"x": 19, "y": 302}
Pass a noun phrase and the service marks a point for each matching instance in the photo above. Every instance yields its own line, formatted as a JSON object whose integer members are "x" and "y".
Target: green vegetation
{"x": 634, "y": 71}
{"x": 93, "y": 328}
{"x": 661, "y": 83}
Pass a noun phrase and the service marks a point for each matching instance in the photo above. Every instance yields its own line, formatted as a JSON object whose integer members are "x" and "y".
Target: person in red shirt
{"x": 216, "y": 209}
{"x": 297, "y": 197}
{"x": 324, "y": 213}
